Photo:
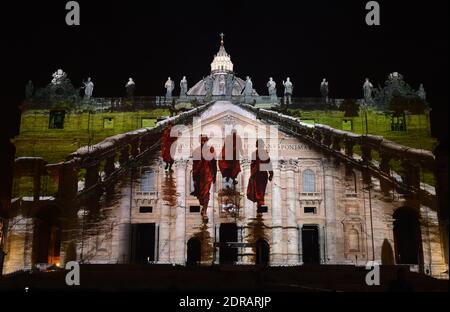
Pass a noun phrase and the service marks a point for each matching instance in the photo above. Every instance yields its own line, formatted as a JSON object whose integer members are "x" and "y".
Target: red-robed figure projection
{"x": 166, "y": 143}
{"x": 204, "y": 172}
{"x": 261, "y": 172}
{"x": 229, "y": 164}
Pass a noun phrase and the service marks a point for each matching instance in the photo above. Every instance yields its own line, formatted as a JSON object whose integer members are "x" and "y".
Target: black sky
{"x": 151, "y": 40}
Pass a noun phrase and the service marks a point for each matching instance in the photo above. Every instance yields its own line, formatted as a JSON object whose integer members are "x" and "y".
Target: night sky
{"x": 151, "y": 40}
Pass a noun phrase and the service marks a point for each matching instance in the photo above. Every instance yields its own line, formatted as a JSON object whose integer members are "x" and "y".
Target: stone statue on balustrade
{"x": 88, "y": 89}
{"x": 130, "y": 87}
{"x": 208, "y": 87}
{"x": 248, "y": 90}
{"x": 170, "y": 86}
{"x": 272, "y": 88}
{"x": 58, "y": 77}
{"x": 29, "y": 90}
{"x": 368, "y": 90}
{"x": 288, "y": 90}
{"x": 222, "y": 84}
{"x": 229, "y": 86}
{"x": 183, "y": 88}
{"x": 421, "y": 92}
{"x": 324, "y": 89}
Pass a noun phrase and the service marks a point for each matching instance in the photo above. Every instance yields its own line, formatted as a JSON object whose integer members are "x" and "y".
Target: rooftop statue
{"x": 229, "y": 85}
{"x": 170, "y": 86}
{"x": 29, "y": 90}
{"x": 88, "y": 88}
{"x": 183, "y": 87}
{"x": 368, "y": 89}
{"x": 58, "y": 77}
{"x": 248, "y": 90}
{"x": 222, "y": 84}
{"x": 208, "y": 86}
{"x": 272, "y": 88}
{"x": 421, "y": 92}
{"x": 130, "y": 86}
{"x": 324, "y": 88}
{"x": 394, "y": 86}
{"x": 288, "y": 89}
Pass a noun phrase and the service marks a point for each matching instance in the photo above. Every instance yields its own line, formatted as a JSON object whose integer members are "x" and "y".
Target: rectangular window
{"x": 148, "y": 122}
{"x": 309, "y": 181}
{"x": 56, "y": 120}
{"x": 145, "y": 209}
{"x": 262, "y": 209}
{"x": 309, "y": 210}
{"x": 108, "y": 123}
{"x": 309, "y": 121}
{"x": 347, "y": 125}
{"x": 148, "y": 181}
{"x": 194, "y": 209}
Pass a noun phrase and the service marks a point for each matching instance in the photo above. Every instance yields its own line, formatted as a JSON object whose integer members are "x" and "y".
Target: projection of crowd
{"x": 205, "y": 163}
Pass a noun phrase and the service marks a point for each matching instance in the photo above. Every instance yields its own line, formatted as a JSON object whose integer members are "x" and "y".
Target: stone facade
{"x": 320, "y": 210}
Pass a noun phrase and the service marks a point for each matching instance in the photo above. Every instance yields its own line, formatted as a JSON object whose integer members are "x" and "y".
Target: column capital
{"x": 292, "y": 164}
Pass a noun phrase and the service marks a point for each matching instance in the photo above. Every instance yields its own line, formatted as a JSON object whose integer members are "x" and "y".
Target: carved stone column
{"x": 124, "y": 216}
{"x": 180, "y": 218}
{"x": 441, "y": 175}
{"x": 330, "y": 208}
{"x": 248, "y": 210}
{"x": 277, "y": 225}
{"x": 167, "y": 201}
{"x": 292, "y": 228}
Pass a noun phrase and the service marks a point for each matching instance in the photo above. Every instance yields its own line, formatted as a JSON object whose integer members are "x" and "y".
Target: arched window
{"x": 351, "y": 181}
{"x": 148, "y": 180}
{"x": 309, "y": 181}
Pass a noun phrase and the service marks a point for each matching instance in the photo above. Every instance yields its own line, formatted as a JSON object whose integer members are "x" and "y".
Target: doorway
{"x": 46, "y": 237}
{"x": 228, "y": 233}
{"x": 262, "y": 253}
{"x": 143, "y": 243}
{"x": 194, "y": 251}
{"x": 310, "y": 244}
{"x": 407, "y": 237}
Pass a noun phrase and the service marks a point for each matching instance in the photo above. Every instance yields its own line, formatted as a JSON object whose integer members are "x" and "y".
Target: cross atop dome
{"x": 221, "y": 38}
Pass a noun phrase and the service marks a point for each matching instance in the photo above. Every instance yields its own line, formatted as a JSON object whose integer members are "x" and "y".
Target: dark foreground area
{"x": 168, "y": 278}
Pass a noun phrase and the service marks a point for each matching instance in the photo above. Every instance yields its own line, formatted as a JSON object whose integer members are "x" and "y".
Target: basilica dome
{"x": 222, "y": 80}
{"x": 222, "y": 60}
